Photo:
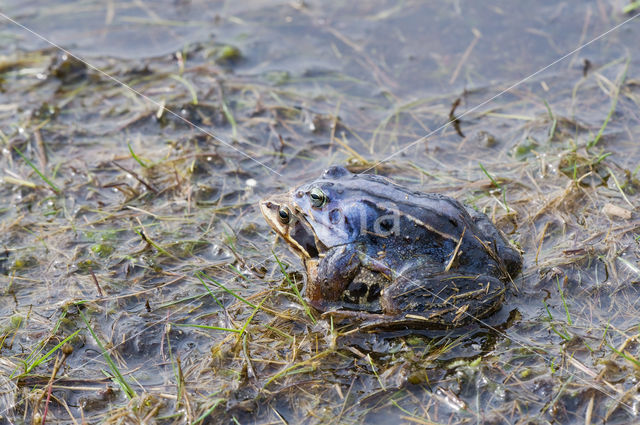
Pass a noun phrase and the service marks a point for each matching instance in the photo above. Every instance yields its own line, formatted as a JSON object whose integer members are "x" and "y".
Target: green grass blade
{"x": 181, "y": 300}
{"x": 614, "y": 103}
{"x": 615, "y": 180}
{"x": 210, "y": 291}
{"x": 42, "y": 176}
{"x": 375, "y": 372}
{"x": 308, "y": 365}
{"x": 564, "y": 302}
{"x": 40, "y": 346}
{"x": 255, "y": 310}
{"x": 50, "y": 352}
{"x": 634, "y": 361}
{"x": 216, "y": 328}
{"x": 136, "y": 157}
{"x": 208, "y": 411}
{"x": 496, "y": 184}
{"x": 118, "y": 378}
{"x": 295, "y": 289}
{"x": 155, "y": 245}
{"x": 553, "y": 328}
{"x": 554, "y": 121}
{"x": 189, "y": 86}
{"x": 629, "y": 264}
{"x": 224, "y": 288}
{"x": 231, "y": 119}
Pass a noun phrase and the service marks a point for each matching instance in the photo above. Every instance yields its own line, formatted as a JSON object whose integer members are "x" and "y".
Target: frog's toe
{"x": 353, "y": 315}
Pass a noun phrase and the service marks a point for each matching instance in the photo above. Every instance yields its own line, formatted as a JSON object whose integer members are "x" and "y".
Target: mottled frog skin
{"x": 375, "y": 250}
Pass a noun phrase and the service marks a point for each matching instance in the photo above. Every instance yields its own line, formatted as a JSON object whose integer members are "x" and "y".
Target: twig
{"x": 136, "y": 176}
{"x": 67, "y": 349}
{"x": 465, "y": 56}
{"x": 95, "y": 280}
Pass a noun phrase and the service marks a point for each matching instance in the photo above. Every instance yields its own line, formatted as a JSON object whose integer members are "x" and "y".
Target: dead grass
{"x": 124, "y": 215}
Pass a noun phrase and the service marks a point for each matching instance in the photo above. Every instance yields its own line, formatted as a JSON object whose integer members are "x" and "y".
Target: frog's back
{"x": 402, "y": 224}
{"x": 433, "y": 212}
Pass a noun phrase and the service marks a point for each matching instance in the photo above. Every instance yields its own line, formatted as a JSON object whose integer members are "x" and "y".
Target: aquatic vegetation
{"x": 138, "y": 282}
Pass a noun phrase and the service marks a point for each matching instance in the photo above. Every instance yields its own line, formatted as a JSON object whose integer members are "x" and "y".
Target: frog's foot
{"x": 352, "y": 315}
{"x": 509, "y": 257}
{"x": 366, "y": 321}
{"x": 442, "y": 301}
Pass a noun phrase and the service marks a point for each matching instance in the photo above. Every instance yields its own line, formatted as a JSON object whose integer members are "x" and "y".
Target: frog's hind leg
{"x": 443, "y": 301}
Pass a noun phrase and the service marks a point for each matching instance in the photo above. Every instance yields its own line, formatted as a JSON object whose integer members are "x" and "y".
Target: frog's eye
{"x": 318, "y": 198}
{"x": 284, "y": 214}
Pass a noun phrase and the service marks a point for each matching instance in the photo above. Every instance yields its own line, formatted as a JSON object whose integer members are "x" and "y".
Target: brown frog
{"x": 378, "y": 251}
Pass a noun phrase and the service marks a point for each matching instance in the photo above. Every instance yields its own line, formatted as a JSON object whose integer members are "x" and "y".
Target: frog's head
{"x": 319, "y": 215}
{"x": 283, "y": 217}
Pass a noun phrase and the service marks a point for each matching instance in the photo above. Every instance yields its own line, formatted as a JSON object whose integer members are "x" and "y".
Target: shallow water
{"x": 290, "y": 88}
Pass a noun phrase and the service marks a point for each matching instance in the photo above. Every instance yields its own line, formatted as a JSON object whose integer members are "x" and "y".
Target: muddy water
{"x": 139, "y": 203}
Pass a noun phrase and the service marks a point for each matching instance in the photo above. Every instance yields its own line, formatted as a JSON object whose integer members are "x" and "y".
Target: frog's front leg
{"x": 444, "y": 301}
{"x": 332, "y": 275}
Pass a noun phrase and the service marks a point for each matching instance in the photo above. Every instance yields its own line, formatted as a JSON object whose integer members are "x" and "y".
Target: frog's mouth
{"x": 296, "y": 231}
{"x": 302, "y": 233}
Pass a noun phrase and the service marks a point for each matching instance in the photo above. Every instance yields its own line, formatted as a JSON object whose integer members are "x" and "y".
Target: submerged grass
{"x": 116, "y": 375}
{"x": 554, "y": 122}
{"x": 631, "y": 7}
{"x": 189, "y": 86}
{"x": 30, "y": 363}
{"x": 46, "y": 179}
{"x": 564, "y": 303}
{"x": 136, "y": 157}
{"x": 614, "y": 103}
{"x": 215, "y": 328}
{"x": 249, "y": 348}
{"x": 497, "y": 185}
{"x": 201, "y": 276}
{"x": 295, "y": 289}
